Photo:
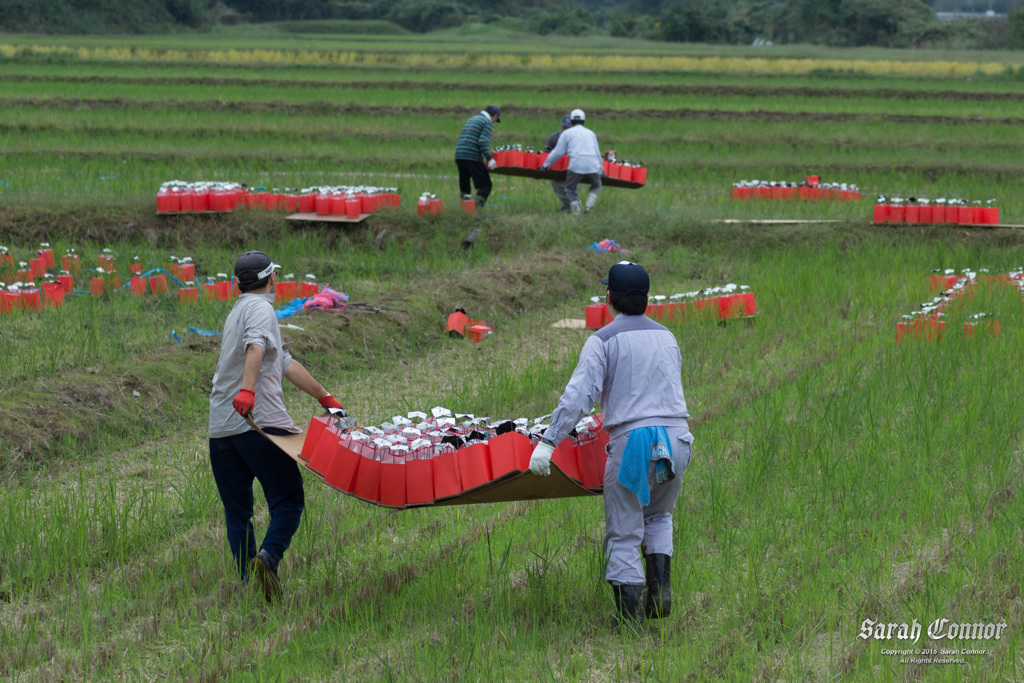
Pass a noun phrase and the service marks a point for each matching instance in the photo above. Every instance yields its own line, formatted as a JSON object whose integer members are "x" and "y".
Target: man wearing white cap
{"x": 252, "y": 363}
{"x": 632, "y": 368}
{"x": 580, "y": 143}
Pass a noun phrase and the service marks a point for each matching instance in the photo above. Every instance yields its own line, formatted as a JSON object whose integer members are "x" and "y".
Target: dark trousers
{"x": 236, "y": 461}
{"x": 477, "y": 172}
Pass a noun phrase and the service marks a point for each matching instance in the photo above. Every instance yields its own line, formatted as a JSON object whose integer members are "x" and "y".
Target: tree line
{"x": 886, "y": 23}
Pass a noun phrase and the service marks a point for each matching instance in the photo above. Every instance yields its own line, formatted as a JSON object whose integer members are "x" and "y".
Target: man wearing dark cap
{"x": 473, "y": 154}
{"x": 559, "y": 185}
{"x": 631, "y": 367}
{"x": 252, "y": 363}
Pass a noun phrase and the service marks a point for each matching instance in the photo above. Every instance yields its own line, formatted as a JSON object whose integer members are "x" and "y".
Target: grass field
{"x": 837, "y": 476}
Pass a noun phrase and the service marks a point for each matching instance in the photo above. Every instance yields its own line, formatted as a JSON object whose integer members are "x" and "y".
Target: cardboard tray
{"x": 315, "y": 217}
{"x": 560, "y": 175}
{"x": 513, "y": 486}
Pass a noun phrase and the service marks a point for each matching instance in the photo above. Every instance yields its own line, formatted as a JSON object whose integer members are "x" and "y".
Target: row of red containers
{"x": 406, "y": 481}
{"x": 719, "y": 307}
{"x": 936, "y": 213}
{"x": 173, "y": 201}
{"x": 932, "y": 329}
{"x": 49, "y": 294}
{"x": 801, "y": 192}
{"x": 533, "y": 160}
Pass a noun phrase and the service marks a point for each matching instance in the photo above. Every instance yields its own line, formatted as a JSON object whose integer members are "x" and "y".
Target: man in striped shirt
{"x": 473, "y": 154}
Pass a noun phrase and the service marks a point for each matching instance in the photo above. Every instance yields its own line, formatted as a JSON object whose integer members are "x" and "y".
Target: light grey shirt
{"x": 580, "y": 144}
{"x": 632, "y": 368}
{"x": 251, "y": 321}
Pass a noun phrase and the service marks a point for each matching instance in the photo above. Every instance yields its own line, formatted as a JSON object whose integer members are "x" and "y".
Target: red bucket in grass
{"x": 187, "y": 272}
{"x": 158, "y": 284}
{"x": 566, "y": 460}
{"x": 31, "y": 300}
{"x": 912, "y": 213}
{"x": 338, "y": 205}
{"x": 436, "y": 207}
{"x": 592, "y": 458}
{"x": 990, "y": 215}
{"x": 342, "y": 467}
{"x": 286, "y": 291}
{"x": 187, "y": 295}
{"x": 307, "y": 203}
{"x": 210, "y": 291}
{"x": 924, "y": 214}
{"x": 881, "y": 213}
{"x": 445, "y": 470}
{"x": 419, "y": 482}
{"x": 509, "y": 452}
{"x": 469, "y": 206}
{"x": 67, "y": 282}
{"x": 224, "y": 290}
{"x": 138, "y": 286}
{"x": 96, "y": 286}
{"x": 963, "y": 215}
{"x": 308, "y": 289}
{"x": 9, "y": 302}
{"x": 474, "y": 465}
{"x": 53, "y": 294}
{"x": 594, "y": 316}
{"x": 70, "y": 262}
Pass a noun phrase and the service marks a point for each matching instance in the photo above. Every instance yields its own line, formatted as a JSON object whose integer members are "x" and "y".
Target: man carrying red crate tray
{"x": 632, "y": 368}
{"x": 252, "y": 364}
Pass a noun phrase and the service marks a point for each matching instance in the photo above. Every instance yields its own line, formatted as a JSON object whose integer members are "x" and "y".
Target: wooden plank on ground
{"x": 315, "y": 217}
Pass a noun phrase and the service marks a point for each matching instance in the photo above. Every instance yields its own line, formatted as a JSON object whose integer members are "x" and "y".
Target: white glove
{"x": 492, "y": 164}
{"x": 540, "y": 461}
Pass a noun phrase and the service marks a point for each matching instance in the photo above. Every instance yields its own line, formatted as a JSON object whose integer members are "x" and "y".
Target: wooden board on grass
{"x": 315, "y": 217}
{"x": 514, "y": 486}
{"x": 560, "y": 175}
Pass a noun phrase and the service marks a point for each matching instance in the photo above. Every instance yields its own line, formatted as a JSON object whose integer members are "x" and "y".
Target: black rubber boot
{"x": 627, "y": 604}
{"x": 659, "y": 586}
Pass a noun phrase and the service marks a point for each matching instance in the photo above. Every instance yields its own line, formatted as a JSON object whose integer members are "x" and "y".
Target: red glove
{"x": 329, "y": 401}
{"x": 244, "y": 401}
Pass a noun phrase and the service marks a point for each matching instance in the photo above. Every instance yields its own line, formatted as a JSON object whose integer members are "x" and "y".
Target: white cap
{"x": 577, "y": 115}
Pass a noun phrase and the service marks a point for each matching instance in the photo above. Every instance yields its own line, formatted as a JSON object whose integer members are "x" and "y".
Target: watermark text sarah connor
{"x": 937, "y": 630}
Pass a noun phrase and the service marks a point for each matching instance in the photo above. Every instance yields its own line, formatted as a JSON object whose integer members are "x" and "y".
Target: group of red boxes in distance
{"x": 20, "y": 289}
{"x": 942, "y": 211}
{"x": 810, "y": 189}
{"x": 716, "y": 303}
{"x": 405, "y": 463}
{"x": 459, "y": 325}
{"x": 178, "y": 196}
{"x": 929, "y": 323}
{"x": 515, "y": 156}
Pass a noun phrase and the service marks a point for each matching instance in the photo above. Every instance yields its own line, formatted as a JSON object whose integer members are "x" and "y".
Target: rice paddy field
{"x": 839, "y": 479}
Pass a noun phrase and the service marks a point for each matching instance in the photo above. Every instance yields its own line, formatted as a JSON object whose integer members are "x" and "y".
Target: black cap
{"x": 494, "y": 110}
{"x": 253, "y": 266}
{"x": 626, "y": 277}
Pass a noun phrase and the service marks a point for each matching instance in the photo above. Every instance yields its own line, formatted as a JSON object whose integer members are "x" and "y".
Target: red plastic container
{"x": 509, "y": 452}
{"x": 9, "y": 302}
{"x": 566, "y": 460}
{"x": 639, "y": 174}
{"x": 478, "y": 333}
{"x": 747, "y": 304}
{"x": 964, "y": 215}
{"x": 70, "y": 262}
{"x": 353, "y": 206}
{"x": 224, "y": 290}
{"x": 367, "y": 480}
{"x": 445, "y": 471}
{"x": 594, "y": 315}
{"x": 322, "y": 205}
{"x": 881, "y": 213}
{"x": 31, "y": 300}
{"x": 67, "y": 282}
{"x": 308, "y": 289}
{"x": 53, "y": 294}
{"x": 286, "y": 291}
{"x": 96, "y": 287}
{"x": 419, "y": 482}
{"x": 593, "y": 458}
{"x": 469, "y": 206}
{"x": 392, "y": 483}
{"x": 338, "y": 205}
{"x": 343, "y": 467}
{"x": 912, "y": 213}
{"x": 158, "y": 284}
{"x": 436, "y": 207}
{"x": 990, "y": 215}
{"x": 188, "y": 295}
{"x": 138, "y": 286}
{"x": 307, "y": 203}
{"x": 474, "y": 465}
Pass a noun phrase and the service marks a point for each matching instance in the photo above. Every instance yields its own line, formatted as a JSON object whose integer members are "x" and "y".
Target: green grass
{"x": 837, "y": 476}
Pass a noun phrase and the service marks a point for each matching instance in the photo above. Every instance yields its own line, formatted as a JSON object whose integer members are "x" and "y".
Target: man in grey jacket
{"x": 632, "y": 368}
{"x": 580, "y": 143}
